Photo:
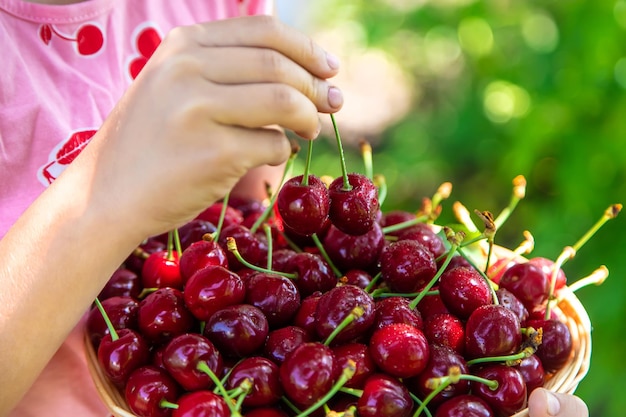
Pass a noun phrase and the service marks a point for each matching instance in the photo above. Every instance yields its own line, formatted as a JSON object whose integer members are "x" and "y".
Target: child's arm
{"x": 191, "y": 125}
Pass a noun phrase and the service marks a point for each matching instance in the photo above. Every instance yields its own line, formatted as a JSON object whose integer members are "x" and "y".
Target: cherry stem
{"x": 510, "y": 359}
{"x": 347, "y": 373}
{"x": 268, "y": 236}
{"x": 307, "y": 164}
{"x": 568, "y": 253}
{"x": 413, "y": 304}
{"x": 525, "y": 247}
{"x": 373, "y": 283}
{"x": 381, "y": 184}
{"x": 324, "y": 254}
{"x": 490, "y": 283}
{"x": 203, "y": 367}
{"x": 232, "y": 247}
{"x": 220, "y": 221}
{"x": 519, "y": 192}
{"x": 356, "y": 313}
{"x": 344, "y": 171}
{"x": 286, "y": 172}
{"x": 145, "y": 291}
{"x": 597, "y": 277}
{"x": 404, "y": 224}
{"x": 105, "y": 316}
{"x": 167, "y": 404}
{"x": 463, "y": 216}
{"x": 382, "y": 294}
{"x": 610, "y": 213}
{"x": 419, "y": 403}
{"x": 366, "y": 153}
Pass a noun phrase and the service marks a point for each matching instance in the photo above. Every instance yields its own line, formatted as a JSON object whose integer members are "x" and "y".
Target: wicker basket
{"x": 566, "y": 380}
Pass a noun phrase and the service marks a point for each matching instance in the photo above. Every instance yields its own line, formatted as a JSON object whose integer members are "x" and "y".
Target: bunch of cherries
{"x": 319, "y": 303}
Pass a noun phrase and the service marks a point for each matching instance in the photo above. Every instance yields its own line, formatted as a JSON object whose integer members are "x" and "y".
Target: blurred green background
{"x": 477, "y": 92}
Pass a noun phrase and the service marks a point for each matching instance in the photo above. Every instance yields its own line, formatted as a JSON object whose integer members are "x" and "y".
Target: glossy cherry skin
{"x": 161, "y": 269}
{"x": 466, "y": 405}
{"x": 492, "y": 330}
{"x": 211, "y": 289}
{"x": 200, "y": 254}
{"x": 135, "y": 260}
{"x": 194, "y": 231}
{"x": 532, "y": 371}
{"x": 337, "y": 304}
{"x": 463, "y": 290}
{"x": 232, "y": 216}
{"x": 556, "y": 343}
{"x": 123, "y": 282}
{"x": 121, "y": 311}
{"x": 307, "y": 373}
{"x": 439, "y": 363}
{"x": 360, "y": 355}
{"x": 304, "y": 207}
{"x": 396, "y": 310}
{"x": 400, "y": 350}
{"x": 510, "y": 301}
{"x": 424, "y": 234}
{"x": 282, "y": 341}
{"x": 146, "y": 388}
{"x": 119, "y": 358}
{"x": 238, "y": 330}
{"x": 182, "y": 355}
{"x": 384, "y": 396}
{"x": 305, "y": 316}
{"x": 407, "y": 266}
{"x": 276, "y": 296}
{"x": 431, "y": 305}
{"x": 547, "y": 266}
{"x": 251, "y": 246}
{"x": 201, "y": 403}
{"x": 528, "y": 283}
{"x": 354, "y": 252}
{"x": 509, "y": 397}
{"x": 353, "y": 211}
{"x": 163, "y": 315}
{"x": 263, "y": 373}
{"x": 313, "y": 273}
{"x": 356, "y": 277}
{"x": 446, "y": 330}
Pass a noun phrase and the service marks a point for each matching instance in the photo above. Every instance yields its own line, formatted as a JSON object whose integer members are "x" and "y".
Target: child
{"x": 151, "y": 143}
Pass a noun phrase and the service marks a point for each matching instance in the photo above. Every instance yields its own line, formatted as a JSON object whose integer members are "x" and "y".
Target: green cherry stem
{"x": 356, "y": 313}
{"x": 491, "y": 284}
{"x": 403, "y": 225}
{"x": 610, "y": 213}
{"x": 344, "y": 171}
{"x": 324, "y": 254}
{"x": 370, "y": 287}
{"x": 220, "y": 222}
{"x": 345, "y": 376}
{"x": 519, "y": 192}
{"x": 366, "y": 153}
{"x": 232, "y": 247}
{"x": 203, "y": 367}
{"x": 286, "y": 172}
{"x": 307, "y": 164}
{"x": 168, "y": 404}
{"x": 105, "y": 316}
{"x": 420, "y": 403}
{"x": 270, "y": 243}
{"x": 381, "y": 184}
{"x": 597, "y": 277}
{"x": 509, "y": 359}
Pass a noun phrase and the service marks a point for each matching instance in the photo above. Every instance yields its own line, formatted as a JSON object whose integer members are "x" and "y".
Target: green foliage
{"x": 534, "y": 88}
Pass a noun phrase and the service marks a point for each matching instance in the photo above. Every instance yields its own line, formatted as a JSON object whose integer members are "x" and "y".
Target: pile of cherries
{"x": 319, "y": 303}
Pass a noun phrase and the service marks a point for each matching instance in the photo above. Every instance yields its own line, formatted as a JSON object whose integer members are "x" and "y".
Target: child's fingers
{"x": 244, "y": 65}
{"x": 260, "y": 105}
{"x": 269, "y": 32}
{"x": 263, "y": 146}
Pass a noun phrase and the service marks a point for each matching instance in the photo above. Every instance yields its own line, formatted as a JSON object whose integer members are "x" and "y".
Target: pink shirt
{"x": 63, "y": 69}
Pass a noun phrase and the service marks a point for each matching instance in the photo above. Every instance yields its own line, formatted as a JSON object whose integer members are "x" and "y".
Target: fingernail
{"x": 335, "y": 97}
{"x": 554, "y": 406}
{"x": 332, "y": 60}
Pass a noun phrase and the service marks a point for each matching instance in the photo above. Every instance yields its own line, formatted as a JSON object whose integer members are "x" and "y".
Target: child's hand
{"x": 543, "y": 403}
{"x": 196, "y": 119}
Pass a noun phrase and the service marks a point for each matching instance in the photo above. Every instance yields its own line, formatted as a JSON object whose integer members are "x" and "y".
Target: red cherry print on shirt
{"x": 89, "y": 38}
{"x": 146, "y": 43}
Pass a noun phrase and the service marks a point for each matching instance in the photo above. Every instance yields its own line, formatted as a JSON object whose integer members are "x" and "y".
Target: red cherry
{"x": 122, "y": 312}
{"x": 237, "y": 330}
{"x": 353, "y": 211}
{"x": 492, "y": 330}
{"x": 407, "y": 266}
{"x": 528, "y": 283}
{"x": 354, "y": 252}
{"x": 463, "y": 290}
{"x": 384, "y": 396}
{"x": 211, "y": 289}
{"x": 446, "y": 330}
{"x": 276, "y": 296}
{"x": 163, "y": 315}
{"x": 556, "y": 343}
{"x": 146, "y": 388}
{"x": 119, "y": 358}
{"x": 282, "y": 341}
{"x": 304, "y": 207}
{"x": 547, "y": 265}
{"x": 509, "y": 397}
{"x": 396, "y": 310}
{"x": 307, "y": 373}
{"x": 359, "y": 354}
{"x": 123, "y": 282}
{"x": 182, "y": 355}
{"x": 161, "y": 269}
{"x": 466, "y": 405}
{"x": 201, "y": 403}
{"x": 200, "y": 254}
{"x": 263, "y": 373}
{"x": 400, "y": 350}
{"x": 532, "y": 371}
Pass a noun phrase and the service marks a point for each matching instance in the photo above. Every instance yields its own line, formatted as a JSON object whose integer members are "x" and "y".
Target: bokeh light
{"x": 475, "y": 36}
{"x": 504, "y": 101}
{"x": 540, "y": 32}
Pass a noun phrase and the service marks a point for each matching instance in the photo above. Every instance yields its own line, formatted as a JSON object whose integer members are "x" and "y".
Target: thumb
{"x": 544, "y": 403}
